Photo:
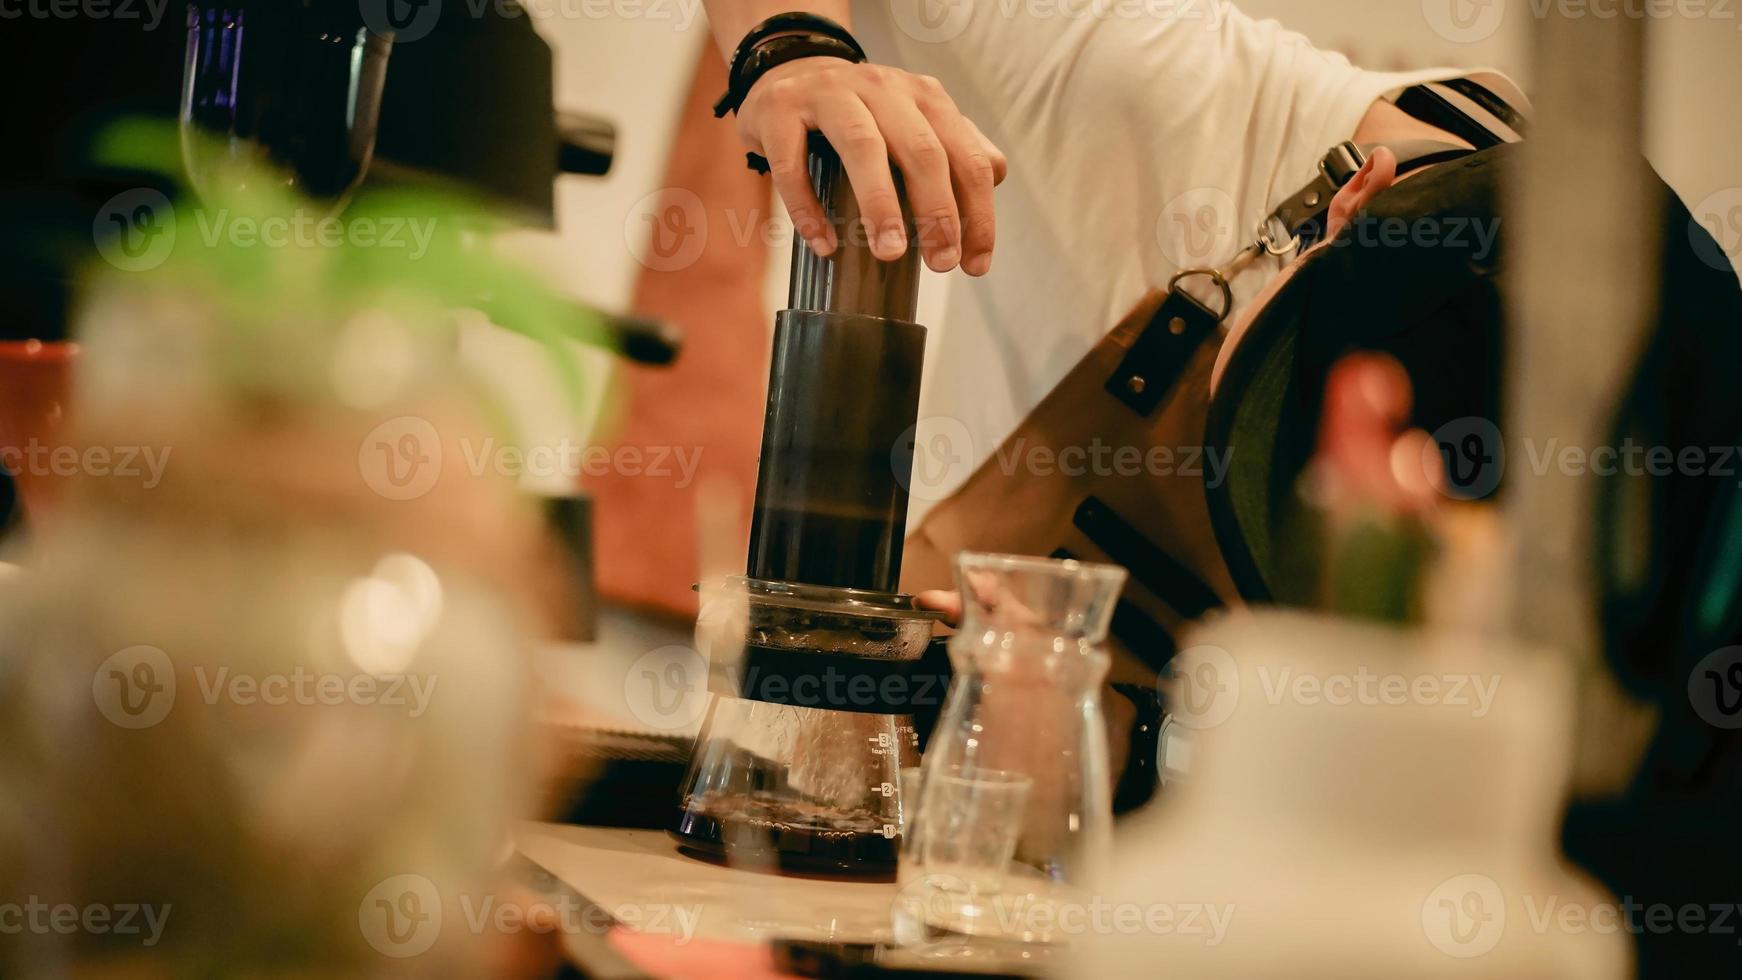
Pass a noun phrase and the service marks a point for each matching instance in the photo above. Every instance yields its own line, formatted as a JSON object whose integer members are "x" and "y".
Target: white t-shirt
{"x": 1144, "y": 136}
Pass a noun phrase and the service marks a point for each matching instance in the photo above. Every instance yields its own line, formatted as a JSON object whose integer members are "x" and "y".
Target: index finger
{"x": 847, "y": 123}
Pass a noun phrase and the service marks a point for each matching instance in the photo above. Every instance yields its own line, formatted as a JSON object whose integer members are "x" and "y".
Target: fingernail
{"x": 893, "y": 239}
{"x": 947, "y": 259}
{"x": 977, "y": 265}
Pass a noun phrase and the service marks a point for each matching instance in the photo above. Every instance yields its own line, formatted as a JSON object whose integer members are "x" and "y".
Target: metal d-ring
{"x": 1215, "y": 277}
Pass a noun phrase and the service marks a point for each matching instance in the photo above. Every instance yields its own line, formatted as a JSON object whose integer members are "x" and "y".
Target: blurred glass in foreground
{"x": 263, "y": 685}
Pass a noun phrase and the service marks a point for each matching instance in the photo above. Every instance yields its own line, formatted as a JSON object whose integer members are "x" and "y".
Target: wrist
{"x": 777, "y": 41}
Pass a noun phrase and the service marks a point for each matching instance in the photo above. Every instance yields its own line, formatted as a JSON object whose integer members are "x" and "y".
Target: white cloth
{"x": 1144, "y": 136}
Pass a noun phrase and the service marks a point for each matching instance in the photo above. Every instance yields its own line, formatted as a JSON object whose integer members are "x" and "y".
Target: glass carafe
{"x": 798, "y": 763}
{"x": 1014, "y": 816}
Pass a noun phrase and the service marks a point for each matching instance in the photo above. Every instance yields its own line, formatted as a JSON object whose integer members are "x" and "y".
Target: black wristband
{"x": 777, "y": 40}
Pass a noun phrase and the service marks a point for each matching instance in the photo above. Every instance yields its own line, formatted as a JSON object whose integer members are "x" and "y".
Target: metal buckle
{"x": 1342, "y": 162}
{"x": 1268, "y": 241}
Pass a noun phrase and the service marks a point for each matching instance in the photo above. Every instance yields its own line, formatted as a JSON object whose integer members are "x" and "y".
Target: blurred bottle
{"x": 294, "y": 86}
{"x": 270, "y": 678}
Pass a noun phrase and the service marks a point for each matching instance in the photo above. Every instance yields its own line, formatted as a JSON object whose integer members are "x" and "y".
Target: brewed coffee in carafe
{"x": 813, "y": 653}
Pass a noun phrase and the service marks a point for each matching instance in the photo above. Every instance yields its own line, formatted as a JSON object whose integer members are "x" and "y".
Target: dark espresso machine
{"x": 813, "y": 666}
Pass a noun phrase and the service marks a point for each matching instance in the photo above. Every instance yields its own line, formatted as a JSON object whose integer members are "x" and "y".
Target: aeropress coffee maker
{"x": 813, "y": 671}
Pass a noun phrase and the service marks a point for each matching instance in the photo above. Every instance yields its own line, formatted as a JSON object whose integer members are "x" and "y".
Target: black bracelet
{"x": 777, "y": 40}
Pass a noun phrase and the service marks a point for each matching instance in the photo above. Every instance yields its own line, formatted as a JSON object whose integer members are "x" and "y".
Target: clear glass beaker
{"x": 1024, "y": 710}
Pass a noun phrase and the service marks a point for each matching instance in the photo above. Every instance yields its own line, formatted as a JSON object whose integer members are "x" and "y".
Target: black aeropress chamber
{"x": 798, "y": 761}
{"x": 843, "y": 395}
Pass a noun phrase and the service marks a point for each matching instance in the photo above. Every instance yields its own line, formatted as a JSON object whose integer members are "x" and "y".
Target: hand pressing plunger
{"x": 871, "y": 115}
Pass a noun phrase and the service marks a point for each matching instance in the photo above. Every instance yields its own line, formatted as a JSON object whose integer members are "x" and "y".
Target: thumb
{"x": 942, "y": 600}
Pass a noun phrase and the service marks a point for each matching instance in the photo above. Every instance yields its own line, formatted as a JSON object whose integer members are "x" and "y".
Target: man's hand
{"x": 871, "y": 115}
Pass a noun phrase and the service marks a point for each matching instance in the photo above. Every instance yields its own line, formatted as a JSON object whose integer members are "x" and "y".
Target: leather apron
{"x": 1109, "y": 467}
